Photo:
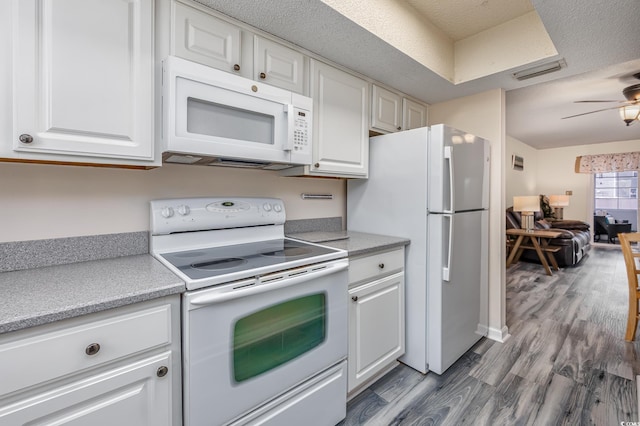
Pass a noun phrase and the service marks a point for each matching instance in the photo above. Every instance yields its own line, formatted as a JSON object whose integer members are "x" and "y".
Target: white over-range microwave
{"x": 211, "y": 117}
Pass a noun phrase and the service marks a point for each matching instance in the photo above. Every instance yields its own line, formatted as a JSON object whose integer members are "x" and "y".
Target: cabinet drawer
{"x": 378, "y": 264}
{"x": 54, "y": 354}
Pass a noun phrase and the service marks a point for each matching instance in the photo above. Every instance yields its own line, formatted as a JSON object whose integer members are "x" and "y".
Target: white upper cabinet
{"x": 200, "y": 36}
{"x": 278, "y": 65}
{"x": 414, "y": 114}
{"x": 83, "y": 81}
{"x": 340, "y": 122}
{"x": 386, "y": 110}
{"x": 390, "y": 112}
{"x": 203, "y": 38}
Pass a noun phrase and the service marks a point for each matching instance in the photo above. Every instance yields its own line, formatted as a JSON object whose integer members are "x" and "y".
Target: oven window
{"x": 275, "y": 335}
{"x": 211, "y": 119}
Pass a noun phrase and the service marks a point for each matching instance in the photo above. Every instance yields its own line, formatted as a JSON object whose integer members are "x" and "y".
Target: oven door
{"x": 248, "y": 342}
{"x": 212, "y": 113}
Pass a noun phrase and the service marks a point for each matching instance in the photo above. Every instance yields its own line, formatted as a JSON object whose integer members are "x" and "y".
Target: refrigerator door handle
{"x": 448, "y": 222}
{"x": 448, "y": 157}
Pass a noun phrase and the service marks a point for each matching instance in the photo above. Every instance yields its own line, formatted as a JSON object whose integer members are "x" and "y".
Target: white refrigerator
{"x": 431, "y": 185}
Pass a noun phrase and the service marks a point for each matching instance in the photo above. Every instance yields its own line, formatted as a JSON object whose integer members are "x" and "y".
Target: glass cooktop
{"x": 217, "y": 261}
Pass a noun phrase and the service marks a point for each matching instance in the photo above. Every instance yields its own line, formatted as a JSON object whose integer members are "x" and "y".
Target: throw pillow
{"x": 610, "y": 219}
{"x": 547, "y": 211}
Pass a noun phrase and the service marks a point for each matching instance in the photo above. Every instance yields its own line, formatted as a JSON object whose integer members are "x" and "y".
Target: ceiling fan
{"x": 630, "y": 111}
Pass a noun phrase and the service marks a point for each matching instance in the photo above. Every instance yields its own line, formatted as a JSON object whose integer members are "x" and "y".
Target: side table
{"x": 539, "y": 241}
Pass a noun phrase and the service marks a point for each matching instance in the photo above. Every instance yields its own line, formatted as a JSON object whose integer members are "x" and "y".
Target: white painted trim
{"x": 499, "y": 335}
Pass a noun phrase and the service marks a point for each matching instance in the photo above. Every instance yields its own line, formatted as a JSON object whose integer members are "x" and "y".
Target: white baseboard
{"x": 499, "y": 335}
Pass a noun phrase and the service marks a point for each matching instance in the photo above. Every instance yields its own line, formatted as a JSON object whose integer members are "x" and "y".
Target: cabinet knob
{"x": 236, "y": 67}
{"x": 263, "y": 75}
{"x": 25, "y": 138}
{"x": 399, "y": 128}
{"x": 92, "y": 349}
{"x": 317, "y": 165}
{"x": 381, "y": 265}
{"x": 354, "y": 298}
{"x": 162, "y": 371}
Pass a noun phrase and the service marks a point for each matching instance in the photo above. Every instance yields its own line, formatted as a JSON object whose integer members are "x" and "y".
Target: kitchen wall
{"x": 556, "y": 174}
{"x": 484, "y": 115}
{"x": 48, "y": 201}
{"x": 520, "y": 182}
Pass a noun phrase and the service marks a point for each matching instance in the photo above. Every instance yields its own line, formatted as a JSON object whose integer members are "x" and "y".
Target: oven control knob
{"x": 266, "y": 207}
{"x": 183, "y": 210}
{"x": 167, "y": 212}
{"x": 277, "y": 208}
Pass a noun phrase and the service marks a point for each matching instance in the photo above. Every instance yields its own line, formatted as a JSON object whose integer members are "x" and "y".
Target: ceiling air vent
{"x": 540, "y": 70}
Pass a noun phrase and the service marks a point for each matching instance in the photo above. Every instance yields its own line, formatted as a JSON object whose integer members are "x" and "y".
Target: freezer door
{"x": 457, "y": 285}
{"x": 458, "y": 170}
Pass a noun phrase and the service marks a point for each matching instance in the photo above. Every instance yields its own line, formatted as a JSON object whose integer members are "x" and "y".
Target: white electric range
{"x": 264, "y": 317}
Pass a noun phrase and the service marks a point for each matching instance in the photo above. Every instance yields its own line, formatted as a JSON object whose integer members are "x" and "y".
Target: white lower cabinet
{"x": 376, "y": 316}
{"x": 118, "y": 367}
{"x": 131, "y": 395}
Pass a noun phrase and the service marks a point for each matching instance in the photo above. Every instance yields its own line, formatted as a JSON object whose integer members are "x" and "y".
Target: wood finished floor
{"x": 566, "y": 362}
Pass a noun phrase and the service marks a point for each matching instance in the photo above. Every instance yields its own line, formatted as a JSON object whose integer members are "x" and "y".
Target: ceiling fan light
{"x": 629, "y": 113}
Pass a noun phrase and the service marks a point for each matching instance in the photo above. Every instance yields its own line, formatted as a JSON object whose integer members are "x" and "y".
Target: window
{"x": 616, "y": 191}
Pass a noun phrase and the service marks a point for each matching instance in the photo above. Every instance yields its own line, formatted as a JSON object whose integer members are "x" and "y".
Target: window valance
{"x": 604, "y": 163}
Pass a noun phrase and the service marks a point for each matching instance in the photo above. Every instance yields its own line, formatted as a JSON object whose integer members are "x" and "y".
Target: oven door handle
{"x": 261, "y": 286}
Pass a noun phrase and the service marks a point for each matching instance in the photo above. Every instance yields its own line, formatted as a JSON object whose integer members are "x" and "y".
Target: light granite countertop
{"x": 42, "y": 295}
{"x": 356, "y": 243}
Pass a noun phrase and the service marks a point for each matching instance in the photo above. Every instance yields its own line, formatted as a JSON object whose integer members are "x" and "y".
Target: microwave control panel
{"x": 302, "y": 131}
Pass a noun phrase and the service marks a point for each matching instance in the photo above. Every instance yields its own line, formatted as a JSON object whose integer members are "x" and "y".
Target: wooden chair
{"x": 632, "y": 261}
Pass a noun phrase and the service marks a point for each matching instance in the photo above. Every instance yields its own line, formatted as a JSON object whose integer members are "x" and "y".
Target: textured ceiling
{"x": 590, "y": 35}
{"x": 462, "y": 18}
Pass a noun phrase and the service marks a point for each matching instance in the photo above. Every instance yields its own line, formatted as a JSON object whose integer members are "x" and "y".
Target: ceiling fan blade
{"x": 590, "y": 112}
{"x": 581, "y": 102}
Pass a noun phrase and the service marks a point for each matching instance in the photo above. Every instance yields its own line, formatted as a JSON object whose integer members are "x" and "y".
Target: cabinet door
{"x": 278, "y": 65}
{"x": 83, "y": 78}
{"x": 203, "y": 38}
{"x": 340, "y": 122}
{"x": 130, "y": 395}
{"x": 414, "y": 115}
{"x": 376, "y": 327}
{"x": 386, "y": 111}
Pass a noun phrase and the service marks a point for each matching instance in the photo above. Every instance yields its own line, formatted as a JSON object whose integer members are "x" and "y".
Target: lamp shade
{"x": 526, "y": 203}
{"x": 559, "y": 200}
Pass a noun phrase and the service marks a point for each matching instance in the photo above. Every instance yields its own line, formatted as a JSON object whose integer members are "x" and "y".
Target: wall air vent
{"x": 540, "y": 70}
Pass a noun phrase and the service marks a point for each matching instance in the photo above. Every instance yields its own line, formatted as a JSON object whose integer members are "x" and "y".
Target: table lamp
{"x": 527, "y": 205}
{"x": 558, "y": 202}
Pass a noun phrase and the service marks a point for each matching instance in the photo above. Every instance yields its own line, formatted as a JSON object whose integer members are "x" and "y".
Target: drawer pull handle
{"x": 263, "y": 76}
{"x": 381, "y": 265}
{"x": 236, "y": 67}
{"x": 354, "y": 298}
{"x": 162, "y": 371}
{"x": 92, "y": 349}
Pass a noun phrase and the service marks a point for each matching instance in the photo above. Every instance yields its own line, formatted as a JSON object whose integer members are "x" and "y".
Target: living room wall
{"x": 555, "y": 174}
{"x": 520, "y": 182}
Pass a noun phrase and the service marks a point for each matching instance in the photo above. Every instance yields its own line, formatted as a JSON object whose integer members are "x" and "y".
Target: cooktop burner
{"x": 215, "y": 264}
{"x": 289, "y": 252}
{"x": 217, "y": 261}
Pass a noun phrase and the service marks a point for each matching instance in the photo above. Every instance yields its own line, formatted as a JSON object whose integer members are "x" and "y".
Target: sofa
{"x": 575, "y": 239}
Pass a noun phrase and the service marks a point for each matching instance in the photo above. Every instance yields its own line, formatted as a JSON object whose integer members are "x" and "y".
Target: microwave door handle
{"x": 288, "y": 109}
